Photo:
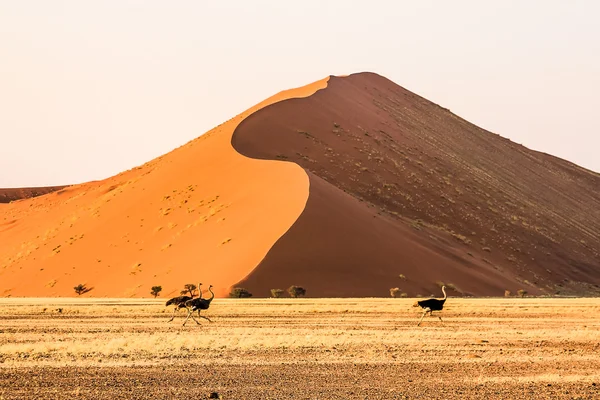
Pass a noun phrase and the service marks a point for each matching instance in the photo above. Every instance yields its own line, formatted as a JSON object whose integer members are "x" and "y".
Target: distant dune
{"x": 349, "y": 186}
{"x": 8, "y": 195}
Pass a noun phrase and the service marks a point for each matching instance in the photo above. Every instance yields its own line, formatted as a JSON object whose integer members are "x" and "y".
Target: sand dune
{"x": 399, "y": 185}
{"x": 348, "y": 186}
{"x": 200, "y": 213}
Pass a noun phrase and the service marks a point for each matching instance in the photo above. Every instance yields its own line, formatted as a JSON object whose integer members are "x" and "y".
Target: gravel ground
{"x": 302, "y": 349}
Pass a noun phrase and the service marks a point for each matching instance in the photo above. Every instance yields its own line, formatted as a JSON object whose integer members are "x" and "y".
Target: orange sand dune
{"x": 349, "y": 186}
{"x": 202, "y": 212}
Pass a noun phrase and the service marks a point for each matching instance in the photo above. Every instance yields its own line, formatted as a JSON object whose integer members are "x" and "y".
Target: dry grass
{"x": 501, "y": 341}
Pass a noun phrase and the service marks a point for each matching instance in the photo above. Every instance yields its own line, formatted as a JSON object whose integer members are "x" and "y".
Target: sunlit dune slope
{"x": 202, "y": 212}
{"x": 403, "y": 193}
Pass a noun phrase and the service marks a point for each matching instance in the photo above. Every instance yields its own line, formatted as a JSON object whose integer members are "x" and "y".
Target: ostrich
{"x": 199, "y": 304}
{"x": 179, "y": 302}
{"x": 431, "y": 305}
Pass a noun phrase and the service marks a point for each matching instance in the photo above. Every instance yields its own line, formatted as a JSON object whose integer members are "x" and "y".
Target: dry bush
{"x": 156, "y": 290}
{"x": 276, "y": 293}
{"x": 296, "y": 291}
{"x": 521, "y": 293}
{"x": 452, "y": 286}
{"x": 239, "y": 293}
{"x": 188, "y": 288}
{"x": 507, "y": 293}
{"x": 395, "y": 292}
{"x": 81, "y": 289}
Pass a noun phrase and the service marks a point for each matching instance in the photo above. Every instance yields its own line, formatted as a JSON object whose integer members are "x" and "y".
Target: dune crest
{"x": 403, "y": 193}
{"x": 202, "y": 212}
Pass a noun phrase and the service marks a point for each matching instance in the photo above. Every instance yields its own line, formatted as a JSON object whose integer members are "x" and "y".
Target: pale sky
{"x": 89, "y": 89}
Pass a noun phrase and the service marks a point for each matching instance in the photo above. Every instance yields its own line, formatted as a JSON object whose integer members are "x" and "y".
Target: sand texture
{"x": 401, "y": 186}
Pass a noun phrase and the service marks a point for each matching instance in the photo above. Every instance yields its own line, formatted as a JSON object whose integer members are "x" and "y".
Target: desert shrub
{"x": 188, "y": 288}
{"x": 276, "y": 293}
{"x": 521, "y": 292}
{"x": 402, "y": 276}
{"x": 296, "y": 291}
{"x": 156, "y": 290}
{"x": 239, "y": 293}
{"x": 403, "y": 294}
{"x": 507, "y": 293}
{"x": 81, "y": 289}
{"x": 452, "y": 286}
{"x": 395, "y": 292}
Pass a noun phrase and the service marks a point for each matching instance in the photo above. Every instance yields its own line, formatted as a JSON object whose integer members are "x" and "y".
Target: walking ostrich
{"x": 199, "y": 304}
{"x": 179, "y": 302}
{"x": 431, "y": 305}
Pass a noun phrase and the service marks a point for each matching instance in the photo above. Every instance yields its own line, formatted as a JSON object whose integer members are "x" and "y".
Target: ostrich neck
{"x": 444, "y": 291}
{"x": 212, "y": 295}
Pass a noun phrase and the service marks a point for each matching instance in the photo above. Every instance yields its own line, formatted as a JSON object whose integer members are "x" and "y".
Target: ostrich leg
{"x": 174, "y": 311}
{"x": 202, "y": 316}
{"x": 422, "y": 316}
{"x": 190, "y": 315}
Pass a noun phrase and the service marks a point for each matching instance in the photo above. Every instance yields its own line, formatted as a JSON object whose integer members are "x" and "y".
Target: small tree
{"x": 189, "y": 288}
{"x": 276, "y": 293}
{"x": 296, "y": 291}
{"x": 521, "y": 293}
{"x": 239, "y": 293}
{"x": 156, "y": 290}
{"x": 81, "y": 289}
{"x": 507, "y": 293}
{"x": 395, "y": 292}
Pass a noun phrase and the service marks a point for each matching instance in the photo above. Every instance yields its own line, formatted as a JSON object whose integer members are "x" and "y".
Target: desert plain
{"x": 344, "y": 348}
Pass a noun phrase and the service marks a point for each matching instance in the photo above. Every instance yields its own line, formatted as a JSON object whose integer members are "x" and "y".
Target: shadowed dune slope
{"x": 8, "y": 195}
{"x": 202, "y": 212}
{"x": 400, "y": 185}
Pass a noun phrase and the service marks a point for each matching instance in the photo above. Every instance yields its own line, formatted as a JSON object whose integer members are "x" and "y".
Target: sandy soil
{"x": 301, "y": 349}
{"x": 202, "y": 211}
{"x": 400, "y": 185}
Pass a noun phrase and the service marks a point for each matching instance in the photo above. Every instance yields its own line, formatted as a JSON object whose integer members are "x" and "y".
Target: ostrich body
{"x": 199, "y": 304}
{"x": 179, "y": 302}
{"x": 431, "y": 305}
